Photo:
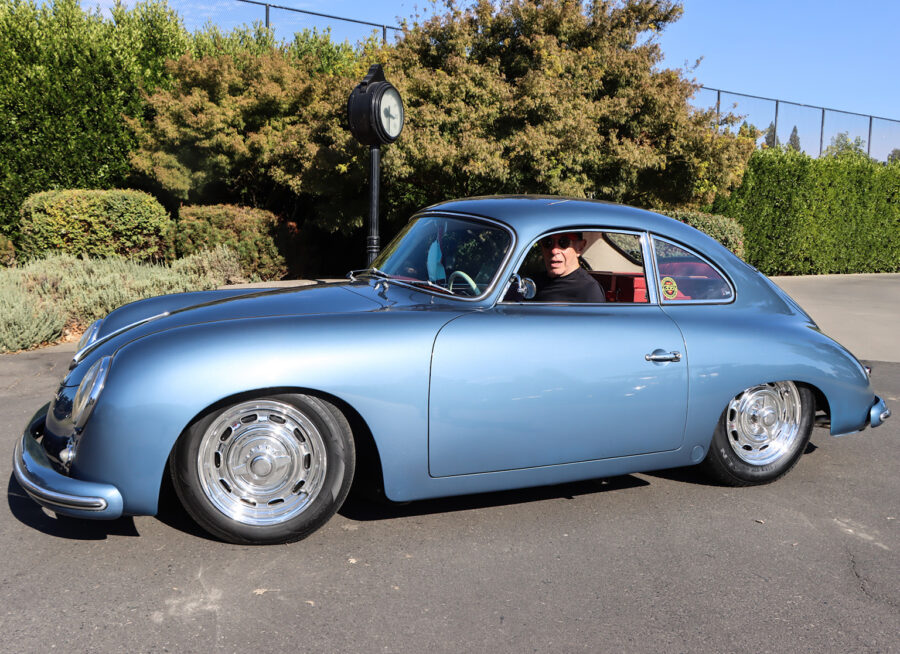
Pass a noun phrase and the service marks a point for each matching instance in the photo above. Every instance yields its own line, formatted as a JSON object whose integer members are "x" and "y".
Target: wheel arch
{"x": 369, "y": 471}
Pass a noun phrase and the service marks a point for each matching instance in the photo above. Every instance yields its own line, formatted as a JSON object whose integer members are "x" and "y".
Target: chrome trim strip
{"x": 45, "y": 496}
{"x": 87, "y": 349}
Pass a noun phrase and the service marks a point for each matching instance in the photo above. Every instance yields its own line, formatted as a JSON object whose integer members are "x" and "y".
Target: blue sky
{"x": 837, "y": 54}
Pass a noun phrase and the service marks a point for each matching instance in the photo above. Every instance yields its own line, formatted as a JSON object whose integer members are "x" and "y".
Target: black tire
{"x": 739, "y": 457}
{"x": 265, "y": 470}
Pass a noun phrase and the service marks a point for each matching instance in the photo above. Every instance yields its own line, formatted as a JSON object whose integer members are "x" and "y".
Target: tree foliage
{"x": 842, "y": 145}
{"x": 553, "y": 96}
{"x": 526, "y": 96}
{"x": 794, "y": 140}
{"x": 69, "y": 76}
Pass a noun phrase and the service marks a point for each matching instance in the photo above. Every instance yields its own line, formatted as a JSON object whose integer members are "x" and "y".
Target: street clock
{"x": 375, "y": 109}
{"x": 375, "y": 114}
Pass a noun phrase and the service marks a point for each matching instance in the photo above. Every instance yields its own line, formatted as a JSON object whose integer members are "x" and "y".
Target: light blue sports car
{"x": 445, "y": 369}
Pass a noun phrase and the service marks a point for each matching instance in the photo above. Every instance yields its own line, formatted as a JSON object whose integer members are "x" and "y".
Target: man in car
{"x": 566, "y": 280}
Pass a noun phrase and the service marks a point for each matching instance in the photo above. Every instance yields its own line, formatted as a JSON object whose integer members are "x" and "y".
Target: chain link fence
{"x": 814, "y": 128}
{"x": 283, "y": 21}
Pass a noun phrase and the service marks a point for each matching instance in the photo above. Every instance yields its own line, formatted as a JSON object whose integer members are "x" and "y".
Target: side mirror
{"x": 525, "y": 286}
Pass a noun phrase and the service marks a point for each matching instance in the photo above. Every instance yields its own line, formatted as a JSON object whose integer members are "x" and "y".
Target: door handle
{"x": 659, "y": 356}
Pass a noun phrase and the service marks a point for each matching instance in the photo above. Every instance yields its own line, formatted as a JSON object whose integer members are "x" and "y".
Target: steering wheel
{"x": 468, "y": 280}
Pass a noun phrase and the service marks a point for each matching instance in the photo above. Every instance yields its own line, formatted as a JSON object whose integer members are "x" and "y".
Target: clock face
{"x": 390, "y": 113}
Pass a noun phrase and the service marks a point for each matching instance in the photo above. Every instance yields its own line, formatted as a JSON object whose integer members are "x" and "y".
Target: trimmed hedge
{"x": 725, "y": 230}
{"x": 95, "y": 224}
{"x": 249, "y": 232}
{"x": 802, "y": 216}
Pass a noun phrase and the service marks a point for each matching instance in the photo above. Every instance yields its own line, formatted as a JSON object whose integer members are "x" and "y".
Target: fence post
{"x": 718, "y": 105}
{"x": 267, "y": 16}
{"x": 775, "y": 126}
{"x": 822, "y": 132}
{"x": 869, "y": 142}
{"x": 384, "y": 35}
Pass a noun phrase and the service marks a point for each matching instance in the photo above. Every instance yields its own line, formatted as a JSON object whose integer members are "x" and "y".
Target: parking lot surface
{"x": 648, "y": 562}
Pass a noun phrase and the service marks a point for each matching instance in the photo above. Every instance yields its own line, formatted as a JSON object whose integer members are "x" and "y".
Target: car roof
{"x": 531, "y": 214}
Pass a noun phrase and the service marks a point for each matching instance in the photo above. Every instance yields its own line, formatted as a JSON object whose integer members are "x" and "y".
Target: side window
{"x": 580, "y": 266}
{"x": 684, "y": 276}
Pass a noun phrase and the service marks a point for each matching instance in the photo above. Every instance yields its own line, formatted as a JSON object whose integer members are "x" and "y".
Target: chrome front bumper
{"x": 55, "y": 491}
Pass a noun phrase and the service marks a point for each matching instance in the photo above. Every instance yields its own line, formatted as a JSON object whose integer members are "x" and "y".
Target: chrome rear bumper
{"x": 55, "y": 491}
{"x": 879, "y": 412}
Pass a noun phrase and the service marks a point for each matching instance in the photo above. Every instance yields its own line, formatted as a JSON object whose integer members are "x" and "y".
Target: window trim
{"x": 498, "y": 276}
{"x": 667, "y": 303}
{"x": 652, "y": 296}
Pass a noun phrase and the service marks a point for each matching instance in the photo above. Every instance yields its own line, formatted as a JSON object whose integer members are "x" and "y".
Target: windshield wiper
{"x": 374, "y": 272}
{"x": 429, "y": 284}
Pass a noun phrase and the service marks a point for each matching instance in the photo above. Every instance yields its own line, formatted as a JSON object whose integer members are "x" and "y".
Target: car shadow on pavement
{"x": 173, "y": 514}
{"x": 367, "y": 507}
{"x": 694, "y": 475}
{"x": 29, "y": 513}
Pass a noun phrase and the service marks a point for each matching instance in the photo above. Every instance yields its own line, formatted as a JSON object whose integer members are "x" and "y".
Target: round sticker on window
{"x": 669, "y": 288}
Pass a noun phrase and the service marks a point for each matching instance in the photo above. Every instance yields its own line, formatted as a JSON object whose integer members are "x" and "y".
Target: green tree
{"x": 894, "y": 156}
{"x": 553, "y": 96}
{"x": 525, "y": 96}
{"x": 771, "y": 138}
{"x": 794, "y": 140}
{"x": 68, "y": 78}
{"x": 842, "y": 145}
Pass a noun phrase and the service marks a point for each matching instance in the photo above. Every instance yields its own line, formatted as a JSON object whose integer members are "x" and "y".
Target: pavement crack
{"x": 864, "y": 585}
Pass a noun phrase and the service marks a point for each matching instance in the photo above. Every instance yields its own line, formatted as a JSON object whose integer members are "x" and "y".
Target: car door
{"x": 523, "y": 385}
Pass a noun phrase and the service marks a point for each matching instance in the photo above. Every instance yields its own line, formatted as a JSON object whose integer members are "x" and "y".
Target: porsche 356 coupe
{"x": 443, "y": 370}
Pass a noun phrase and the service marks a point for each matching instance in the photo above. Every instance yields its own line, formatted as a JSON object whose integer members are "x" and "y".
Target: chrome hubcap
{"x": 262, "y": 462}
{"x": 763, "y": 422}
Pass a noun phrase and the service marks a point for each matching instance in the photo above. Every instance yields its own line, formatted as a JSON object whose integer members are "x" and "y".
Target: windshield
{"x": 456, "y": 256}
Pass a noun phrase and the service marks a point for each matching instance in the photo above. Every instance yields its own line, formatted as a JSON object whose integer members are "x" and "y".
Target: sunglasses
{"x": 562, "y": 242}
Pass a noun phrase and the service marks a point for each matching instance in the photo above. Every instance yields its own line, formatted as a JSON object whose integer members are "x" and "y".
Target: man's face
{"x": 561, "y": 253}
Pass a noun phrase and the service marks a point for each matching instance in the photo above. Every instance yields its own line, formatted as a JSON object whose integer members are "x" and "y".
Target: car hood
{"x": 165, "y": 312}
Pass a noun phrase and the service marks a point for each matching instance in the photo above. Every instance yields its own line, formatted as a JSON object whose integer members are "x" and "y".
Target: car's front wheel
{"x": 267, "y": 470}
{"x": 761, "y": 434}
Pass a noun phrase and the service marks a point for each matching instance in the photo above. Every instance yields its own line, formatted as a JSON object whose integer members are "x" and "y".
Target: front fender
{"x": 376, "y": 362}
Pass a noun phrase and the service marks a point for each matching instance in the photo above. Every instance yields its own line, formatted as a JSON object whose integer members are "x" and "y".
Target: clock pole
{"x": 376, "y": 116}
{"x": 373, "y": 243}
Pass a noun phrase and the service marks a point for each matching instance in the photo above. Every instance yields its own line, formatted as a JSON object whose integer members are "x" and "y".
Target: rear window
{"x": 684, "y": 276}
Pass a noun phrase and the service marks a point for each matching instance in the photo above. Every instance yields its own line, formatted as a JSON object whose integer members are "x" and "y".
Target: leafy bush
{"x": 725, "y": 230}
{"x": 249, "y": 232}
{"x": 97, "y": 224}
{"x": 69, "y": 75}
{"x": 837, "y": 214}
{"x": 7, "y": 252}
{"x": 62, "y": 292}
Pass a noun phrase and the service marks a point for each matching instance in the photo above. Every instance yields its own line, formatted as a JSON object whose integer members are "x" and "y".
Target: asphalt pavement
{"x": 662, "y": 562}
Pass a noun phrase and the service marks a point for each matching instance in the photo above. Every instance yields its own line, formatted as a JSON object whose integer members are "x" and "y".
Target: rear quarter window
{"x": 684, "y": 276}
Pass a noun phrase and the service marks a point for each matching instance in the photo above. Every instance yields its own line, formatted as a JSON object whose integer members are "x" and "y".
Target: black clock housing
{"x": 364, "y": 108}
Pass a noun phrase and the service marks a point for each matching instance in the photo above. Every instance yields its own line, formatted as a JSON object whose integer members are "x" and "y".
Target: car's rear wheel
{"x": 266, "y": 470}
{"x": 761, "y": 434}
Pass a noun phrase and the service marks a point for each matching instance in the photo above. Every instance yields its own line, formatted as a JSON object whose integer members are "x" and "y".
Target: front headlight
{"x": 89, "y": 390}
